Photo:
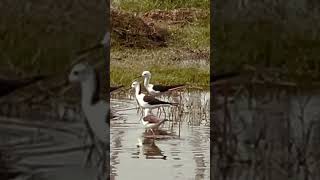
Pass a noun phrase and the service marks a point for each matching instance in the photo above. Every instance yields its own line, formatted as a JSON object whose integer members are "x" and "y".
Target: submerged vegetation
{"x": 170, "y": 39}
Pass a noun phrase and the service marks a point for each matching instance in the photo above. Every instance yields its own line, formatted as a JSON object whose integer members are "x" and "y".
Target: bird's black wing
{"x": 166, "y": 88}
{"x": 153, "y": 101}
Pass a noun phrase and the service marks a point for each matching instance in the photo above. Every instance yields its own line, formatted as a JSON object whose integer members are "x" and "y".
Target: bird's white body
{"x": 149, "y": 87}
{"x": 144, "y": 104}
{"x": 97, "y": 112}
{"x": 140, "y": 97}
{"x": 146, "y": 82}
{"x": 148, "y": 125}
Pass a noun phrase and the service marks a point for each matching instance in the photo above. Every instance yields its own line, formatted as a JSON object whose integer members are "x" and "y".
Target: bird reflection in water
{"x": 148, "y": 147}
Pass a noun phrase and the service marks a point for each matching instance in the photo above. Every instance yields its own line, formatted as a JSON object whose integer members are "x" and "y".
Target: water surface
{"x": 180, "y": 152}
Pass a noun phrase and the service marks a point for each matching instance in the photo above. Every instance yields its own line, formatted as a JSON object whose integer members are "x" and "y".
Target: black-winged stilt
{"x": 157, "y": 89}
{"x": 146, "y": 101}
{"x": 95, "y": 109}
{"x": 9, "y": 86}
{"x": 151, "y": 122}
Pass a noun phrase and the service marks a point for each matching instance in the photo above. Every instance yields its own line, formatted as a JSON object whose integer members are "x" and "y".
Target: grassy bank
{"x": 163, "y": 63}
{"x": 184, "y": 58}
{"x": 149, "y": 5}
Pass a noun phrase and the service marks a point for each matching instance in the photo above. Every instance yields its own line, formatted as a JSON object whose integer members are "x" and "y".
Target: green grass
{"x": 180, "y": 62}
{"x": 162, "y": 75}
{"x": 196, "y": 36}
{"x": 139, "y": 6}
{"x": 162, "y": 63}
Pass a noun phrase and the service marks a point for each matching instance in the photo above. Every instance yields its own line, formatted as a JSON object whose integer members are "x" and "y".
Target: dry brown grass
{"x": 133, "y": 31}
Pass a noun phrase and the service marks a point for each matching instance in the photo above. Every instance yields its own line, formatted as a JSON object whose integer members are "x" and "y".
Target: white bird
{"x": 96, "y": 110}
{"x": 151, "y": 122}
{"x": 146, "y": 101}
{"x": 157, "y": 89}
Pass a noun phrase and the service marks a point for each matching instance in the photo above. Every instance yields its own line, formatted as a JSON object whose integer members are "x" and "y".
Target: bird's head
{"x": 80, "y": 72}
{"x": 146, "y": 74}
{"x": 135, "y": 84}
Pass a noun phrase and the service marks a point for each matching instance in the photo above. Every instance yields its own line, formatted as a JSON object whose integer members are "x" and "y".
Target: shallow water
{"x": 46, "y": 144}
{"x": 178, "y": 153}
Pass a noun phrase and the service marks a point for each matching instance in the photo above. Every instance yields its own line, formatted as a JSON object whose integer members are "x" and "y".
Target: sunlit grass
{"x": 162, "y": 75}
{"x": 166, "y": 69}
{"x": 147, "y": 5}
{"x": 192, "y": 36}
